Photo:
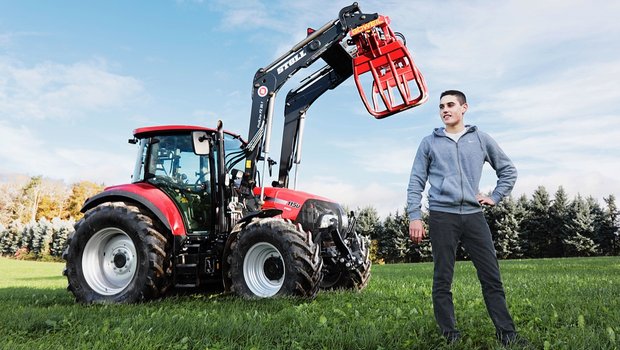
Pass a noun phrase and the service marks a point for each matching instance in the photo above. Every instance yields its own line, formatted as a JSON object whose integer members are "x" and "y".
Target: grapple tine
{"x": 385, "y": 60}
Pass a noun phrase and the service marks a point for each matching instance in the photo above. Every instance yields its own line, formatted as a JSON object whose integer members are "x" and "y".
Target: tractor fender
{"x": 265, "y": 213}
{"x": 146, "y": 195}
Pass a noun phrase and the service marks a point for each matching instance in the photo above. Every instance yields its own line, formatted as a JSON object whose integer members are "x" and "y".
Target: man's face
{"x": 451, "y": 110}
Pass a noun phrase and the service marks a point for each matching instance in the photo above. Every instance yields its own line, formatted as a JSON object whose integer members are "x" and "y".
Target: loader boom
{"x": 324, "y": 42}
{"x": 354, "y": 44}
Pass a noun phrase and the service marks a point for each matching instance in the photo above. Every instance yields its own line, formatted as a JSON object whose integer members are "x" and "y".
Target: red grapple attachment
{"x": 385, "y": 61}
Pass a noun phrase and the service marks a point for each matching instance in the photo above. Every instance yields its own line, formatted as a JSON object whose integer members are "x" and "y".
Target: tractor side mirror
{"x": 201, "y": 143}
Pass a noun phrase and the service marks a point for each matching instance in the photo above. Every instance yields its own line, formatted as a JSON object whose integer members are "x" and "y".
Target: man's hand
{"x": 416, "y": 231}
{"x": 484, "y": 200}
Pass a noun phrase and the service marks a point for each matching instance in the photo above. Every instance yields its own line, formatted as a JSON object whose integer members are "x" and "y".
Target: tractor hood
{"x": 301, "y": 207}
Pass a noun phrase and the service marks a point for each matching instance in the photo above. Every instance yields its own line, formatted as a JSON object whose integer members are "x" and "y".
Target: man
{"x": 451, "y": 159}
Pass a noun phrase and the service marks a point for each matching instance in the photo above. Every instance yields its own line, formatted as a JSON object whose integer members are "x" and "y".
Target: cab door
{"x": 186, "y": 177}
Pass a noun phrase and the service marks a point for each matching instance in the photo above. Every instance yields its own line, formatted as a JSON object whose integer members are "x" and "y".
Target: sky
{"x": 541, "y": 77}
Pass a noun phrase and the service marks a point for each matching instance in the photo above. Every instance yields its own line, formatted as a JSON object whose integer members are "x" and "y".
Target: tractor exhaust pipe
{"x": 222, "y": 179}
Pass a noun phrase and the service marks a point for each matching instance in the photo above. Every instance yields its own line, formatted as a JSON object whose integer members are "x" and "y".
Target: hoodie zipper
{"x": 458, "y": 160}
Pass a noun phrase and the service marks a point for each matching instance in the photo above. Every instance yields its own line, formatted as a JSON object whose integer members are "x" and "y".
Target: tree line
{"x": 535, "y": 227}
{"x": 37, "y": 217}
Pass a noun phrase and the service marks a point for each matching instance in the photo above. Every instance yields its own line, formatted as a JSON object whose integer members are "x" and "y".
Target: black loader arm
{"x": 358, "y": 44}
{"x": 298, "y": 101}
{"x": 322, "y": 43}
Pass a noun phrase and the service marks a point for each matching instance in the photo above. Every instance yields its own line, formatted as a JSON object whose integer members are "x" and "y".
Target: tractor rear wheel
{"x": 273, "y": 257}
{"x": 116, "y": 255}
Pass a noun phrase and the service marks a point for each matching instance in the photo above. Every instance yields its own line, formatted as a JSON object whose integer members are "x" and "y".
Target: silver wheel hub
{"x": 263, "y": 269}
{"x": 109, "y": 261}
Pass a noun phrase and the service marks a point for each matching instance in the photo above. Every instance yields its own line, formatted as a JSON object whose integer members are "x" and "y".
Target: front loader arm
{"x": 322, "y": 43}
{"x": 374, "y": 52}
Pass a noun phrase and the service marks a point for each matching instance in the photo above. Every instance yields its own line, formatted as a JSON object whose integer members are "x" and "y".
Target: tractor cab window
{"x": 172, "y": 160}
{"x": 172, "y": 166}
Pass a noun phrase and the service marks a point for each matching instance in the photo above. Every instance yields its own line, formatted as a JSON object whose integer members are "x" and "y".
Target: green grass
{"x": 556, "y": 304}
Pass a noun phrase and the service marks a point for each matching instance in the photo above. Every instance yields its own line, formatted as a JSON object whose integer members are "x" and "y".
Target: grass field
{"x": 556, "y": 304}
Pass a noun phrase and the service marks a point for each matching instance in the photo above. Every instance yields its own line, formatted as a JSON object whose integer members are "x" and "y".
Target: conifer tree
{"x": 580, "y": 228}
{"x": 38, "y": 239}
{"x": 61, "y": 230}
{"x": 3, "y": 233}
{"x": 27, "y": 233}
{"x": 558, "y": 215}
{"x": 369, "y": 226}
{"x": 9, "y": 243}
{"x": 507, "y": 240}
{"x": 536, "y": 224}
{"x": 395, "y": 245}
{"x": 608, "y": 231}
{"x": 368, "y": 222}
{"x": 422, "y": 251}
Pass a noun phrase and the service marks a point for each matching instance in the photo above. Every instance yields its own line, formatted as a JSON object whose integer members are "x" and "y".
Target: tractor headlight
{"x": 327, "y": 220}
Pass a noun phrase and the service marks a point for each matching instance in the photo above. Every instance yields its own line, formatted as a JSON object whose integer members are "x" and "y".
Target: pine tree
{"x": 25, "y": 240}
{"x": 61, "y": 230}
{"x": 520, "y": 212}
{"x": 395, "y": 244}
{"x": 422, "y": 251}
{"x": 38, "y": 238}
{"x": 536, "y": 224}
{"x": 369, "y": 225}
{"x": 580, "y": 228}
{"x": 9, "y": 243}
{"x": 507, "y": 240}
{"x": 607, "y": 229}
{"x": 368, "y": 222}
{"x": 558, "y": 215}
{"x": 3, "y": 233}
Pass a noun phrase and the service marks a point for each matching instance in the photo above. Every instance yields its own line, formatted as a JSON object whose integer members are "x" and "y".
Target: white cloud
{"x": 386, "y": 199}
{"x": 30, "y": 96}
{"x": 24, "y": 150}
{"x": 56, "y": 91}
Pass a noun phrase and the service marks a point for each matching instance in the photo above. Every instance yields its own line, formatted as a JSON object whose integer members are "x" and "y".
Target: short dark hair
{"x": 459, "y": 95}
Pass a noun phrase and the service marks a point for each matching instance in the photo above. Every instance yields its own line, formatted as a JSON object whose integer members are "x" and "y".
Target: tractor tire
{"x": 335, "y": 277}
{"x": 117, "y": 254}
{"x": 274, "y": 257}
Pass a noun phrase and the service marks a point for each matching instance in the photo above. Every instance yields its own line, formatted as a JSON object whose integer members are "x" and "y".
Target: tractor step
{"x": 187, "y": 266}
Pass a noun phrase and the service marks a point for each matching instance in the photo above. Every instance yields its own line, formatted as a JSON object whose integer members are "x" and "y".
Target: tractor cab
{"x": 182, "y": 162}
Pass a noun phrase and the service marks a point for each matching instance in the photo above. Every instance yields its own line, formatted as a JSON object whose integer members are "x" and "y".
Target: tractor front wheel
{"x": 273, "y": 257}
{"x": 116, "y": 255}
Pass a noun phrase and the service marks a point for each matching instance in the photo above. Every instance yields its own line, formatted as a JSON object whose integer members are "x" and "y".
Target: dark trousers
{"x": 446, "y": 230}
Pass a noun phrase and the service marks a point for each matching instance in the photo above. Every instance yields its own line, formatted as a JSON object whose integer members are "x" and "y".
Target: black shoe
{"x": 453, "y": 337}
{"x": 515, "y": 341}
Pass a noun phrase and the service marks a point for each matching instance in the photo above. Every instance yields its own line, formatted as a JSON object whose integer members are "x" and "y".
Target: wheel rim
{"x": 263, "y": 269}
{"x": 109, "y": 261}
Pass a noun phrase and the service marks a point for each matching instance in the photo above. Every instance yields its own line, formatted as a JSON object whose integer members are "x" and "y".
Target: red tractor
{"x": 197, "y": 211}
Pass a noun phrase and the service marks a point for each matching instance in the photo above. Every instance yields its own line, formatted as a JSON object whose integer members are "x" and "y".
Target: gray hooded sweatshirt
{"x": 453, "y": 170}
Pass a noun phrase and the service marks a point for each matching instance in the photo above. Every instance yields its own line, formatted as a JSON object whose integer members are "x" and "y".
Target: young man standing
{"x": 451, "y": 160}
